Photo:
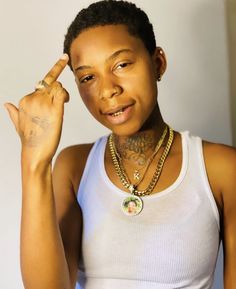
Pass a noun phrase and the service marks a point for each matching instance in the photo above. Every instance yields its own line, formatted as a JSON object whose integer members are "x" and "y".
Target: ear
{"x": 160, "y": 63}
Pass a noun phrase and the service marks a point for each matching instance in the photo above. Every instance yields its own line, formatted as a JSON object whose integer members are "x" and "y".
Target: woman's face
{"x": 132, "y": 207}
{"x": 116, "y": 77}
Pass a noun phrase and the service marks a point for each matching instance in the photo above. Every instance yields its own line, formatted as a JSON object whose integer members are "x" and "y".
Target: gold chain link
{"x": 123, "y": 176}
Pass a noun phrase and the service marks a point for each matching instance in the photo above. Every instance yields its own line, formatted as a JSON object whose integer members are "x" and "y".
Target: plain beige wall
{"x": 231, "y": 21}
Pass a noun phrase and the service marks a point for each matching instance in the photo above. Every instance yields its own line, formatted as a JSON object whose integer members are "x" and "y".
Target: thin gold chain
{"x": 123, "y": 176}
{"x": 158, "y": 146}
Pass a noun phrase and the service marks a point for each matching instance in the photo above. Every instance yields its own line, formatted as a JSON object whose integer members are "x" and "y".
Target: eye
{"x": 122, "y": 65}
{"x": 86, "y": 79}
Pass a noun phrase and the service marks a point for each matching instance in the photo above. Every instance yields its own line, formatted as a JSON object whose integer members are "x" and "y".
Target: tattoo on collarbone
{"x": 139, "y": 159}
{"x": 135, "y": 148}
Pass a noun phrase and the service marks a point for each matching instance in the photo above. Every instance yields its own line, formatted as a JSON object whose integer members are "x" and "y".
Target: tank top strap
{"x": 95, "y": 153}
{"x": 197, "y": 169}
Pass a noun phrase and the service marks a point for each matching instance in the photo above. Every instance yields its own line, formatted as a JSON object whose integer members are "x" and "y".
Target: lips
{"x": 116, "y": 110}
{"x": 119, "y": 114}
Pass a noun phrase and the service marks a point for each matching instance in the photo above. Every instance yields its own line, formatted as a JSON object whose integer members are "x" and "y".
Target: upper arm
{"x": 229, "y": 216}
{"x": 67, "y": 172}
{"x": 221, "y": 166}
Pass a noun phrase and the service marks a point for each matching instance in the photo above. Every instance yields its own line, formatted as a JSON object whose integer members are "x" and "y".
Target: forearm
{"x": 38, "y": 122}
{"x": 43, "y": 261}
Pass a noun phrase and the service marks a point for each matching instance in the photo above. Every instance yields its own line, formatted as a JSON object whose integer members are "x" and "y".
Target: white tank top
{"x": 173, "y": 243}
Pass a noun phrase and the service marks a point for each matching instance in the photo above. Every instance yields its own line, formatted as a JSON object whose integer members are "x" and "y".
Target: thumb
{"x": 13, "y": 113}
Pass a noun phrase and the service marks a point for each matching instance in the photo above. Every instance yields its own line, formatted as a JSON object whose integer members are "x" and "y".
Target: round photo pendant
{"x": 132, "y": 205}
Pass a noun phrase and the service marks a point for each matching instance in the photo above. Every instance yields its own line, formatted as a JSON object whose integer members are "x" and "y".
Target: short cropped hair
{"x": 112, "y": 12}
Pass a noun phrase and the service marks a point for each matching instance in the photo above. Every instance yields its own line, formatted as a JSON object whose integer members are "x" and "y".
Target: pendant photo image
{"x": 132, "y": 205}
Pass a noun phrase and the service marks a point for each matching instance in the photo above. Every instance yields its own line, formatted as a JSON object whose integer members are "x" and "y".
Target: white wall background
{"x": 193, "y": 95}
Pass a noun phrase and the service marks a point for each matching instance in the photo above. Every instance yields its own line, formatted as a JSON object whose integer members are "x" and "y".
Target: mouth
{"x": 119, "y": 114}
{"x": 117, "y": 110}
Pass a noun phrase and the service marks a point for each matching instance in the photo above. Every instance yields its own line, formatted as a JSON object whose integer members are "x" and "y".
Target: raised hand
{"x": 39, "y": 117}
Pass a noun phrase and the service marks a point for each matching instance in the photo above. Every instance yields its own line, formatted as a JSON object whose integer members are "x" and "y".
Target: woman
{"x": 77, "y": 216}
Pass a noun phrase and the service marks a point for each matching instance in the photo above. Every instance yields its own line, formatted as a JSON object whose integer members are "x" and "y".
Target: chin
{"x": 126, "y": 130}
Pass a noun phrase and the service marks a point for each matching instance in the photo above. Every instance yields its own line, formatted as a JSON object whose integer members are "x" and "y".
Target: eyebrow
{"x": 114, "y": 55}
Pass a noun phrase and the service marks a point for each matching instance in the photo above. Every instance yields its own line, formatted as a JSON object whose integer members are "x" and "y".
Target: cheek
{"x": 143, "y": 79}
{"x": 143, "y": 85}
{"x": 88, "y": 99}
{"x": 150, "y": 84}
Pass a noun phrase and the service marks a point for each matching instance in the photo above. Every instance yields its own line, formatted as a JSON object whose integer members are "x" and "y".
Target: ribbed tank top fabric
{"x": 173, "y": 243}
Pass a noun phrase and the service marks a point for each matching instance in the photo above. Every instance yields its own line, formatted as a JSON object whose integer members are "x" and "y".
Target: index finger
{"x": 56, "y": 70}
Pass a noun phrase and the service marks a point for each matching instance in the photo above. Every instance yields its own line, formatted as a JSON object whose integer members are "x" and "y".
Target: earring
{"x": 159, "y": 78}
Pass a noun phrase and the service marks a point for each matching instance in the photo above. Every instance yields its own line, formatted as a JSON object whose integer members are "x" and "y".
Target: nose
{"x": 109, "y": 88}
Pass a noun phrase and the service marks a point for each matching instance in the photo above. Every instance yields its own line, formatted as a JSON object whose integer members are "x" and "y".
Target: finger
{"x": 13, "y": 113}
{"x": 56, "y": 70}
{"x": 60, "y": 96}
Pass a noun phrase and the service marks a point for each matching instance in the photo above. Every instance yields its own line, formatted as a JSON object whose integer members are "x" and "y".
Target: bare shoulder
{"x": 221, "y": 168}
{"x": 220, "y": 157}
{"x": 70, "y": 163}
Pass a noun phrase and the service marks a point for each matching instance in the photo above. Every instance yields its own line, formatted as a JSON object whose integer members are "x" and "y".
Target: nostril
{"x": 111, "y": 92}
{"x": 118, "y": 90}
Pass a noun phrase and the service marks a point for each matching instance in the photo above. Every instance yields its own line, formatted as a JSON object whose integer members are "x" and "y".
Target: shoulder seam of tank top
{"x": 177, "y": 182}
{"x": 87, "y": 168}
{"x": 206, "y": 181}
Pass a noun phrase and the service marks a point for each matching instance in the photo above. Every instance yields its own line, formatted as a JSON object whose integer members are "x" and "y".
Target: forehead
{"x": 102, "y": 41}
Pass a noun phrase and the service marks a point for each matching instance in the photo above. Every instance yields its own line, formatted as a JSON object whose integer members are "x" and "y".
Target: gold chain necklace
{"x": 133, "y": 204}
{"x": 150, "y": 159}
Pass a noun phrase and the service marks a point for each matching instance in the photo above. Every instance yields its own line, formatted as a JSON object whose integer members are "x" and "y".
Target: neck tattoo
{"x": 136, "y": 148}
{"x": 138, "y": 152}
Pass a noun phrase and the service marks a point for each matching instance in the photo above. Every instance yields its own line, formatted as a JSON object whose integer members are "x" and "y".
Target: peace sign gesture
{"x": 38, "y": 119}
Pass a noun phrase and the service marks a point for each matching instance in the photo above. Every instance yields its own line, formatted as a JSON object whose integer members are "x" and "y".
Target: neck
{"x": 137, "y": 148}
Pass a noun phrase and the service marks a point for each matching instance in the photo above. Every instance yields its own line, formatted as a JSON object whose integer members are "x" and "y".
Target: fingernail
{"x": 65, "y": 57}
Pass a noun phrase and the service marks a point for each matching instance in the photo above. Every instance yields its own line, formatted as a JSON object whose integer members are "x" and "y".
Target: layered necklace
{"x": 133, "y": 204}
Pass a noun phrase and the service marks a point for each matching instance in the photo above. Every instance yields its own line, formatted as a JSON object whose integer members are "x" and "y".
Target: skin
{"x": 104, "y": 80}
{"x": 132, "y": 207}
